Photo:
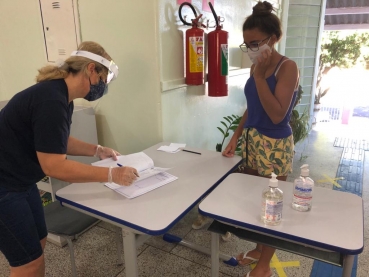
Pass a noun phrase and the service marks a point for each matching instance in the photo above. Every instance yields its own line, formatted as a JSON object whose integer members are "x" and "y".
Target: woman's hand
{"x": 106, "y": 152}
{"x": 124, "y": 176}
{"x": 230, "y": 149}
{"x": 263, "y": 64}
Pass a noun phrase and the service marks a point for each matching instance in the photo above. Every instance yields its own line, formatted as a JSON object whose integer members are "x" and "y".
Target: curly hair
{"x": 263, "y": 19}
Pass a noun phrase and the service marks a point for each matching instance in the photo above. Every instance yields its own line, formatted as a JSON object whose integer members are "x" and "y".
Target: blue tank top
{"x": 258, "y": 118}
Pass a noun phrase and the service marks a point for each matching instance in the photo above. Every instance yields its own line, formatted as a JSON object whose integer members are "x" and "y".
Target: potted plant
{"x": 317, "y": 98}
{"x": 366, "y": 60}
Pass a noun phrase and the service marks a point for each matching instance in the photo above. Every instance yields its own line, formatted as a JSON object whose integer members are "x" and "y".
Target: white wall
{"x": 129, "y": 117}
{"x": 21, "y": 45}
{"x": 143, "y": 38}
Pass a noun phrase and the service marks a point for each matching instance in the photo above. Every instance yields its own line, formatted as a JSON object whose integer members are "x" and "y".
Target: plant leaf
{"x": 226, "y": 118}
{"x": 224, "y": 124}
{"x": 221, "y": 130}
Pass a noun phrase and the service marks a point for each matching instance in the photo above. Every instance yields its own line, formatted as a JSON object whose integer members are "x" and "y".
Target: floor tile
{"x": 154, "y": 262}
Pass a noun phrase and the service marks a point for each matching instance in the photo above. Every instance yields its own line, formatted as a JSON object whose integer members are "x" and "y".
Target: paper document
{"x": 142, "y": 162}
{"x": 143, "y": 186}
{"x": 172, "y": 148}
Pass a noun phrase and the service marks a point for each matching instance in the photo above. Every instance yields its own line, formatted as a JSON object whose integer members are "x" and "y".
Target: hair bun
{"x": 262, "y": 9}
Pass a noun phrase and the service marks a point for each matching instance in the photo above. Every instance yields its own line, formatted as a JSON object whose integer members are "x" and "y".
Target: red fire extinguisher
{"x": 194, "y": 44}
{"x": 217, "y": 60}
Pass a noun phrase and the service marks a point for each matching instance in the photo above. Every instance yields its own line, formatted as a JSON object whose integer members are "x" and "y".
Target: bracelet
{"x": 97, "y": 150}
{"x": 110, "y": 176}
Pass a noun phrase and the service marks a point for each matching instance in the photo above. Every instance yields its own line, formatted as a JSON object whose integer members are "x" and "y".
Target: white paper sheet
{"x": 143, "y": 186}
{"x": 172, "y": 148}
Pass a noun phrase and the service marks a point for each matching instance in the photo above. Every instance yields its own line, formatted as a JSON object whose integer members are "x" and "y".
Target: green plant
{"x": 300, "y": 125}
{"x": 338, "y": 49}
{"x": 298, "y": 96}
{"x": 231, "y": 125}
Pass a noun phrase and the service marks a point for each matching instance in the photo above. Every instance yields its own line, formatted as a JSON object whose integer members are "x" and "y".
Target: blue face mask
{"x": 97, "y": 91}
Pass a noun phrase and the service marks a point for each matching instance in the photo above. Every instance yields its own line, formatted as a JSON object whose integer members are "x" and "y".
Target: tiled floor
{"x": 95, "y": 250}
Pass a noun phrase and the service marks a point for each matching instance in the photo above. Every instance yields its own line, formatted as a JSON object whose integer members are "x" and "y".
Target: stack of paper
{"x": 151, "y": 177}
{"x": 172, "y": 148}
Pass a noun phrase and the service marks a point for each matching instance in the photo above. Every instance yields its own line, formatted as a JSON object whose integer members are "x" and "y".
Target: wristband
{"x": 97, "y": 150}
{"x": 110, "y": 176}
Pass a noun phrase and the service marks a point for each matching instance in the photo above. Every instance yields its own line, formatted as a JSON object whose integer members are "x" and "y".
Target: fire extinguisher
{"x": 194, "y": 44}
{"x": 217, "y": 60}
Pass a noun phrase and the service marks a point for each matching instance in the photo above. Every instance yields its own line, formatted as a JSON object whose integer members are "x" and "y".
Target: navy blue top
{"x": 257, "y": 117}
{"x": 35, "y": 119}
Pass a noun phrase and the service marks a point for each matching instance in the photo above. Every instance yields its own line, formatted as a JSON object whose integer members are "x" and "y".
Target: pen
{"x": 120, "y": 165}
{"x": 191, "y": 152}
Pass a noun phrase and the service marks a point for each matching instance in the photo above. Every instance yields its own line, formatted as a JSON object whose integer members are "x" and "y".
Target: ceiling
{"x": 347, "y": 15}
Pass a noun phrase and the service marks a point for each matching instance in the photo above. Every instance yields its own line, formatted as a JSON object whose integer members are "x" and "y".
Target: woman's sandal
{"x": 252, "y": 260}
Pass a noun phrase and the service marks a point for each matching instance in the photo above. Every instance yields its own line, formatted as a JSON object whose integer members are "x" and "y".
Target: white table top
{"x": 157, "y": 211}
{"x": 334, "y": 223}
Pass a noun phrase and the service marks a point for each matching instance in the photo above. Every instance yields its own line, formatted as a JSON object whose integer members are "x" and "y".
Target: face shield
{"x": 110, "y": 65}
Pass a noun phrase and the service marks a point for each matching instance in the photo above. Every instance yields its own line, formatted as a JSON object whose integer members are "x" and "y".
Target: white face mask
{"x": 253, "y": 55}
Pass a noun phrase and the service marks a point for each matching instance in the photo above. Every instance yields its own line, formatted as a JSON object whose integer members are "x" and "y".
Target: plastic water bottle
{"x": 272, "y": 203}
{"x": 303, "y": 191}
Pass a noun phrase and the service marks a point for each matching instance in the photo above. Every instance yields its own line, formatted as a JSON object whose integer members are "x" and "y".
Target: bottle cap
{"x": 304, "y": 170}
{"x": 273, "y": 182}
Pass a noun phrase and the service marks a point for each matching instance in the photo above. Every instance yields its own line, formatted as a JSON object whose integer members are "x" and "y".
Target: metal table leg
{"x": 348, "y": 262}
{"x": 214, "y": 254}
{"x": 130, "y": 253}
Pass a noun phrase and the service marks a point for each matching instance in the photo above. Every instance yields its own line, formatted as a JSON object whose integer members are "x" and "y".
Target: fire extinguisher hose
{"x": 214, "y": 14}
{"x": 180, "y": 12}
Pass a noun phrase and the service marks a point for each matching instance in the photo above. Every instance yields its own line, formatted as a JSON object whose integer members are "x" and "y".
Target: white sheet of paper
{"x": 143, "y": 186}
{"x": 150, "y": 172}
{"x": 169, "y": 149}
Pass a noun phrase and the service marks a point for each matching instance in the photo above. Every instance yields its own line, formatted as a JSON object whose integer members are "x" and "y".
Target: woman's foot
{"x": 248, "y": 258}
{"x": 200, "y": 222}
{"x": 227, "y": 236}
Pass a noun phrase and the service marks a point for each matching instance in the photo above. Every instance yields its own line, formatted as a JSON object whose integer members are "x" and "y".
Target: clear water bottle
{"x": 272, "y": 203}
{"x": 303, "y": 191}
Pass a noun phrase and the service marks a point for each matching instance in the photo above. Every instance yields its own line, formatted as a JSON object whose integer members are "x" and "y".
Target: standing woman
{"x": 34, "y": 142}
{"x": 266, "y": 134}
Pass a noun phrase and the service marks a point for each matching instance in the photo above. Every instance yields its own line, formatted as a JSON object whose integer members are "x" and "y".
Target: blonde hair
{"x": 75, "y": 64}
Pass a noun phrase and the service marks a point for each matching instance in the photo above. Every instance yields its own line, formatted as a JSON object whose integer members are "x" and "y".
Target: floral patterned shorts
{"x": 266, "y": 154}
